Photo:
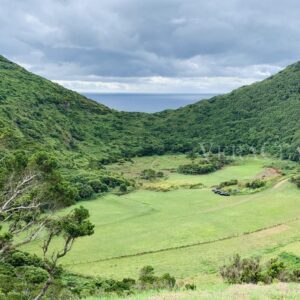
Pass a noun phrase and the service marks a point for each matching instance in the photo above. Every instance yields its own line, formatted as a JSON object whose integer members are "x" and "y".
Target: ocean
{"x": 146, "y": 102}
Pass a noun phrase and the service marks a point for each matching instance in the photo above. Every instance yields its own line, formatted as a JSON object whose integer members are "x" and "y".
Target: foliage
{"x": 296, "y": 180}
{"x": 123, "y": 188}
{"x": 150, "y": 174}
{"x": 206, "y": 165}
{"x": 228, "y": 183}
{"x": 253, "y": 119}
{"x": 246, "y": 270}
{"x": 190, "y": 286}
{"x": 255, "y": 184}
{"x": 148, "y": 280}
{"x": 250, "y": 270}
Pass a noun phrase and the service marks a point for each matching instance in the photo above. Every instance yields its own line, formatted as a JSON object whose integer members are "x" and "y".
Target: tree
{"x": 24, "y": 187}
{"x": 20, "y": 206}
{"x": 69, "y": 227}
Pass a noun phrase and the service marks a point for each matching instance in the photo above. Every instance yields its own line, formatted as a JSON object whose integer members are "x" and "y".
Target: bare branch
{"x": 16, "y": 190}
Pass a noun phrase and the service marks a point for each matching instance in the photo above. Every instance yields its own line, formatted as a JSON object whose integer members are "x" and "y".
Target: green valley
{"x": 93, "y": 198}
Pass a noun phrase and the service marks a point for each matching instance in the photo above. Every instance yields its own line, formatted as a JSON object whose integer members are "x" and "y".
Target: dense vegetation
{"x": 296, "y": 180}
{"x": 255, "y": 184}
{"x": 22, "y": 276}
{"x": 250, "y": 270}
{"x": 259, "y": 117}
{"x": 205, "y": 165}
{"x": 150, "y": 174}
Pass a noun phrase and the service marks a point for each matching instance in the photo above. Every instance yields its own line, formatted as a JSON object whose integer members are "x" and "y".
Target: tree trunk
{"x": 44, "y": 289}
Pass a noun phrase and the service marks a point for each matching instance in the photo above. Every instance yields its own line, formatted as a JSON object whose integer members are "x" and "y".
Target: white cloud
{"x": 157, "y": 84}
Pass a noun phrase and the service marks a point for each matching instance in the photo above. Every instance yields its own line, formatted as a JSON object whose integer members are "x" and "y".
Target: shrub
{"x": 274, "y": 269}
{"x": 149, "y": 174}
{"x": 166, "y": 281}
{"x": 147, "y": 279}
{"x": 228, "y": 183}
{"x": 159, "y": 174}
{"x": 19, "y": 258}
{"x": 32, "y": 274}
{"x": 247, "y": 270}
{"x": 123, "y": 188}
{"x": 196, "y": 169}
{"x": 84, "y": 191}
{"x": 206, "y": 165}
{"x": 147, "y": 275}
{"x": 98, "y": 186}
{"x": 255, "y": 184}
{"x": 190, "y": 286}
{"x": 296, "y": 180}
{"x": 63, "y": 193}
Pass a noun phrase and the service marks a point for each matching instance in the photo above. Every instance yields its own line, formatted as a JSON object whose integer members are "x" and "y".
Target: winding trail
{"x": 280, "y": 183}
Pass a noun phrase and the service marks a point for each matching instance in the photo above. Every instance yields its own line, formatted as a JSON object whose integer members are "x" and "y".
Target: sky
{"x": 151, "y": 46}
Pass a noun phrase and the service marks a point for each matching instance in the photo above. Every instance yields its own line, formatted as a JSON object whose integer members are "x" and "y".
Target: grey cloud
{"x": 68, "y": 40}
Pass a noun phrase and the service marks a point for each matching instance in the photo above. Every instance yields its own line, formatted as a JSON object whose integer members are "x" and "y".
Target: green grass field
{"x": 187, "y": 232}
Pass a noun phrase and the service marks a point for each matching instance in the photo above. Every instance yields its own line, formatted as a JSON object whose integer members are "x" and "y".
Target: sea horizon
{"x": 147, "y": 102}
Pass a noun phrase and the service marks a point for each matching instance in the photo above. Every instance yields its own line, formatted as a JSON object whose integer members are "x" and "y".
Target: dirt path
{"x": 268, "y": 173}
{"x": 280, "y": 183}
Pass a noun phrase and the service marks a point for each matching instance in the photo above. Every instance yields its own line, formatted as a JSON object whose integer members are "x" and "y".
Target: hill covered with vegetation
{"x": 263, "y": 116}
{"x": 37, "y": 113}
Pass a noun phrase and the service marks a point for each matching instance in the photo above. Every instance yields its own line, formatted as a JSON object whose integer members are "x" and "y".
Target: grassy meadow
{"x": 187, "y": 232}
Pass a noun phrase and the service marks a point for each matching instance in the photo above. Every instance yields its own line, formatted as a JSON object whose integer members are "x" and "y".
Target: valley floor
{"x": 187, "y": 232}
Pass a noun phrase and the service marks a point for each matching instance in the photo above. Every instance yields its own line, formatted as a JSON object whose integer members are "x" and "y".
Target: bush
{"x": 150, "y": 174}
{"x": 98, "y": 186}
{"x": 239, "y": 270}
{"x": 228, "y": 183}
{"x": 85, "y": 191}
{"x": 63, "y": 193}
{"x": 296, "y": 180}
{"x": 274, "y": 269}
{"x": 147, "y": 279}
{"x": 196, "y": 169}
{"x": 205, "y": 165}
{"x": 250, "y": 271}
{"x": 166, "y": 281}
{"x": 32, "y": 274}
{"x": 123, "y": 188}
{"x": 19, "y": 258}
{"x": 255, "y": 184}
{"x": 190, "y": 286}
{"x": 147, "y": 275}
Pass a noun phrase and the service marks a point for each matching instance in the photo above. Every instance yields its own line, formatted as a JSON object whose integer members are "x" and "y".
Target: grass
{"x": 187, "y": 232}
{"x": 223, "y": 292}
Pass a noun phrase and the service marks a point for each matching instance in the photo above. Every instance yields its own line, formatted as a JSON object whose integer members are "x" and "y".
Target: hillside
{"x": 36, "y": 113}
{"x": 264, "y": 114}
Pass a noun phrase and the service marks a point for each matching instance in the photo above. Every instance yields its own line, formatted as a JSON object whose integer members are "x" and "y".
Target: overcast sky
{"x": 151, "y": 45}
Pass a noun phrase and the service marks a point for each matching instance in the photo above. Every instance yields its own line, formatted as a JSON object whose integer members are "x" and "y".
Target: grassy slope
{"x": 145, "y": 221}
